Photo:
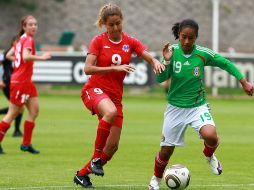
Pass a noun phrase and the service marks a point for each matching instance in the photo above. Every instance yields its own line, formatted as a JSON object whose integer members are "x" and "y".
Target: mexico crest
{"x": 196, "y": 71}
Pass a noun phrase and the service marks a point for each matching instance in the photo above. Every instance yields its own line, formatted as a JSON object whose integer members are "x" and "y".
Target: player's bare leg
{"x": 107, "y": 110}
{"x": 13, "y": 111}
{"x": 33, "y": 111}
{"x": 160, "y": 163}
{"x": 211, "y": 142}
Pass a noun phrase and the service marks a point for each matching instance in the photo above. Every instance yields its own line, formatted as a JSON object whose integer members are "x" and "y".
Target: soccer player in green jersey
{"x": 187, "y": 104}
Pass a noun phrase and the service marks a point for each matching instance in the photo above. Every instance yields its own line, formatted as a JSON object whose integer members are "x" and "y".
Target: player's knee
{"x": 209, "y": 134}
{"x": 111, "y": 115}
{"x": 11, "y": 115}
{"x": 211, "y": 139}
{"x": 34, "y": 114}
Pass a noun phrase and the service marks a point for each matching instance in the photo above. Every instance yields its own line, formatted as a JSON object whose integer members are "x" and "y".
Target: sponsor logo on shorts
{"x": 162, "y": 138}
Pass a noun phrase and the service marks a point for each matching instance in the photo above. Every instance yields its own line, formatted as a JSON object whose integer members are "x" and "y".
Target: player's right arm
{"x": 11, "y": 54}
{"x": 164, "y": 75}
{"x": 167, "y": 53}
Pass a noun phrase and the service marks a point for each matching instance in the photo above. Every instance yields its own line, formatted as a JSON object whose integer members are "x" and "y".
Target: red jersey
{"x": 23, "y": 71}
{"x": 109, "y": 53}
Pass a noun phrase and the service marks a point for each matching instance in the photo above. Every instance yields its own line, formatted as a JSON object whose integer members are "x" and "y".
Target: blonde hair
{"x": 106, "y": 11}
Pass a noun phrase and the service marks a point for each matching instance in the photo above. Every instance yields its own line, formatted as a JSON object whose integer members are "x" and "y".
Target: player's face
{"x": 31, "y": 26}
{"x": 187, "y": 39}
{"x": 114, "y": 27}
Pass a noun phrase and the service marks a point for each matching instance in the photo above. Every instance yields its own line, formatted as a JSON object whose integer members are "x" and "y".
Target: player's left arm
{"x": 157, "y": 66}
{"x": 247, "y": 86}
{"x": 225, "y": 64}
{"x": 28, "y": 56}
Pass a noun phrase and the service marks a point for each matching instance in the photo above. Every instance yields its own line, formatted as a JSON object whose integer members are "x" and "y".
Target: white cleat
{"x": 154, "y": 183}
{"x": 214, "y": 164}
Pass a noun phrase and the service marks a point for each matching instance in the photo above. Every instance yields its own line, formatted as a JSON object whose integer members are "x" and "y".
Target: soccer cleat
{"x": 1, "y": 150}
{"x": 17, "y": 134}
{"x": 154, "y": 183}
{"x": 214, "y": 164}
{"x": 96, "y": 167}
{"x": 29, "y": 148}
{"x": 84, "y": 181}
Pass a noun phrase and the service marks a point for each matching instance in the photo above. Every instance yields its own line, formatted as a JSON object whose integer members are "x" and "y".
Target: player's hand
{"x": 157, "y": 66}
{"x": 125, "y": 68}
{"x": 247, "y": 86}
{"x": 166, "y": 53}
{"x": 46, "y": 56}
{"x": 2, "y": 85}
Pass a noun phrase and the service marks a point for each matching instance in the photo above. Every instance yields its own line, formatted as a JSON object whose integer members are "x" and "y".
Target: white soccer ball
{"x": 177, "y": 177}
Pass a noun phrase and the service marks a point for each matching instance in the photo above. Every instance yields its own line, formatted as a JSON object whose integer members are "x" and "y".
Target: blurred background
{"x": 66, "y": 130}
{"x": 67, "y": 26}
{"x": 149, "y": 21}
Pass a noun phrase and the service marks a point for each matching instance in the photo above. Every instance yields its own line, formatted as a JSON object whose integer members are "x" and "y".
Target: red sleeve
{"x": 94, "y": 47}
{"x": 28, "y": 43}
{"x": 138, "y": 47}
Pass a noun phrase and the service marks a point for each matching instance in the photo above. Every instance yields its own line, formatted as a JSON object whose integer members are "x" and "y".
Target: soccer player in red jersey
{"x": 108, "y": 62}
{"x": 23, "y": 90}
{"x": 5, "y": 86}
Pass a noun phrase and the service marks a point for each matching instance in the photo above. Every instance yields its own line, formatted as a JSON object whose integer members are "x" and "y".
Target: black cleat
{"x": 17, "y": 134}
{"x": 1, "y": 150}
{"x": 83, "y": 181}
{"x": 29, "y": 148}
{"x": 96, "y": 167}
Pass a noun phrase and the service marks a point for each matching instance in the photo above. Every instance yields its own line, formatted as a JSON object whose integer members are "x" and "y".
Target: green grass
{"x": 65, "y": 133}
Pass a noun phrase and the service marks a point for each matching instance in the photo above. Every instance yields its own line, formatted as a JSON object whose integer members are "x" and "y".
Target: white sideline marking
{"x": 125, "y": 185}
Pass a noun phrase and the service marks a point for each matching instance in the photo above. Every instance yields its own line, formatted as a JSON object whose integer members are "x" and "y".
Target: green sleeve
{"x": 165, "y": 74}
{"x": 225, "y": 64}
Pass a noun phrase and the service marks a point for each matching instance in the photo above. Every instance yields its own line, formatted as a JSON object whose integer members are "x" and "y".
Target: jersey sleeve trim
{"x": 205, "y": 50}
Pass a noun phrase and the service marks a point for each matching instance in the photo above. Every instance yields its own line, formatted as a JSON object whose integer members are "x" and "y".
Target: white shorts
{"x": 177, "y": 119}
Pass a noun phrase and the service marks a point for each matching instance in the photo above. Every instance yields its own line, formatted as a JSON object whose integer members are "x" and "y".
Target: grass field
{"x": 65, "y": 132}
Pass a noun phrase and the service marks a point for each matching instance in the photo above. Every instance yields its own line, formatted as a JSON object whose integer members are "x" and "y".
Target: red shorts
{"x": 21, "y": 92}
{"x": 91, "y": 98}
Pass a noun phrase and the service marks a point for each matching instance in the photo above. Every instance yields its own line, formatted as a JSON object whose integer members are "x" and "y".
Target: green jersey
{"x": 187, "y": 71}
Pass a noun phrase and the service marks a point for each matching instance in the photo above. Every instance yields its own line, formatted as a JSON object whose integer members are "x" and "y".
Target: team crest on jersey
{"x": 126, "y": 48}
{"x": 196, "y": 71}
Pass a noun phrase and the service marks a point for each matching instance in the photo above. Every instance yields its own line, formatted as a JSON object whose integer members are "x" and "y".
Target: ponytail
{"x": 175, "y": 30}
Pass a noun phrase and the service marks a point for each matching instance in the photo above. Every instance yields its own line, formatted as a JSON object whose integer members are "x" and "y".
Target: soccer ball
{"x": 177, "y": 177}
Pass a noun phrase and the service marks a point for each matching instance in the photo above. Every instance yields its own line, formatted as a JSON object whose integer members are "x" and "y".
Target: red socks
{"x": 3, "y": 128}
{"x": 87, "y": 170}
{"x": 102, "y": 136}
{"x": 100, "y": 142}
{"x": 159, "y": 166}
{"x": 104, "y": 158}
{"x": 208, "y": 150}
{"x": 28, "y": 130}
